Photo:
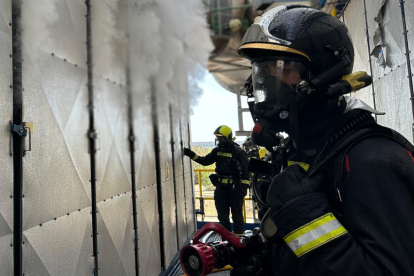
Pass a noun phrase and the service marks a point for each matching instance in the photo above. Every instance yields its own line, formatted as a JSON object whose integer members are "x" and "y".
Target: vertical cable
{"x": 182, "y": 164}
{"x": 132, "y": 140}
{"x": 407, "y": 55}
{"x": 369, "y": 55}
{"x": 92, "y": 134}
{"x": 192, "y": 180}
{"x": 174, "y": 180}
{"x": 17, "y": 139}
{"x": 155, "y": 123}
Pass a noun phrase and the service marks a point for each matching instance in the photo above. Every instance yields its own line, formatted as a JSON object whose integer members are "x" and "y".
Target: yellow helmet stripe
{"x": 266, "y": 46}
{"x": 225, "y": 130}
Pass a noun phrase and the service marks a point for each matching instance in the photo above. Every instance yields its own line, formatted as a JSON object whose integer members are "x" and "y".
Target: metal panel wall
{"x": 147, "y": 206}
{"x": 6, "y": 160}
{"x": 392, "y": 83}
{"x": 168, "y": 199}
{"x": 115, "y": 225}
{"x": 354, "y": 18}
{"x": 85, "y": 101}
{"x": 56, "y": 171}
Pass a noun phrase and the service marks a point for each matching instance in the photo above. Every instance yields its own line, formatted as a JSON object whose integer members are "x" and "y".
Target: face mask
{"x": 272, "y": 92}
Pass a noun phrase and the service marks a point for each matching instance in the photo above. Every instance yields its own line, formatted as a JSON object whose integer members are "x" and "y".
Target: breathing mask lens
{"x": 273, "y": 80}
{"x": 221, "y": 140}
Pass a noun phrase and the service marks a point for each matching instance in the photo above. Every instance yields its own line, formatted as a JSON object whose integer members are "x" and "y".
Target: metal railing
{"x": 199, "y": 171}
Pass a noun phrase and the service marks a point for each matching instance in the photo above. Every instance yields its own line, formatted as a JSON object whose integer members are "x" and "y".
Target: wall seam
{"x": 182, "y": 164}
{"x": 155, "y": 125}
{"x": 174, "y": 179}
{"x": 369, "y": 56}
{"x": 92, "y": 135}
{"x": 17, "y": 139}
{"x": 407, "y": 55}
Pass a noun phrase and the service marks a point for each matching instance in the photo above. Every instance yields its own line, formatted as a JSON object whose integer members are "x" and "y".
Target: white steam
{"x": 182, "y": 45}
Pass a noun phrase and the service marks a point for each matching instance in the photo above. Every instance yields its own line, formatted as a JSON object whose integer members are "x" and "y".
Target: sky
{"x": 216, "y": 106}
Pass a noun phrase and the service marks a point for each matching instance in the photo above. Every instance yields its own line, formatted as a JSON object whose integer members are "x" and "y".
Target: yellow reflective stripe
{"x": 303, "y": 165}
{"x": 309, "y": 227}
{"x": 224, "y": 154}
{"x": 314, "y": 234}
{"x": 195, "y": 157}
{"x": 245, "y": 182}
{"x": 320, "y": 241}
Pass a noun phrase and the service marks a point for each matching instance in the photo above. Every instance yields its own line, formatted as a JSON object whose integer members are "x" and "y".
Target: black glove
{"x": 243, "y": 267}
{"x": 214, "y": 179}
{"x": 292, "y": 184}
{"x": 189, "y": 152}
{"x": 242, "y": 191}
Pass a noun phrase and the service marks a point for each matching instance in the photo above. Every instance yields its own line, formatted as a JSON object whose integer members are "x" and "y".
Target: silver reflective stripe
{"x": 314, "y": 234}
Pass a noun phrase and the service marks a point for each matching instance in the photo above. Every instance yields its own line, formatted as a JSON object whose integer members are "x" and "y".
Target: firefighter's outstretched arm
{"x": 205, "y": 161}
{"x": 373, "y": 233}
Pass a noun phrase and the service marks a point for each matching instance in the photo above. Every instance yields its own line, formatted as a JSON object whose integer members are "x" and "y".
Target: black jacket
{"x": 227, "y": 161}
{"x": 377, "y": 211}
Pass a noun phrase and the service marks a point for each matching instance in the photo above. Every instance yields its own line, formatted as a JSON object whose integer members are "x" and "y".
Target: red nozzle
{"x": 196, "y": 259}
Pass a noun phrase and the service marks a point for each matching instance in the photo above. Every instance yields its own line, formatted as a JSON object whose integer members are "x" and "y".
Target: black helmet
{"x": 316, "y": 38}
{"x": 296, "y": 53}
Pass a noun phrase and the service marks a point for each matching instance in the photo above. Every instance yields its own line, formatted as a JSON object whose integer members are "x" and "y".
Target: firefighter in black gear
{"x": 231, "y": 178}
{"x": 252, "y": 150}
{"x": 350, "y": 212}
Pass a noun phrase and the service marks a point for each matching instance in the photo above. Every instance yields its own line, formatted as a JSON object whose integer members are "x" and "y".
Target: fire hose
{"x": 201, "y": 259}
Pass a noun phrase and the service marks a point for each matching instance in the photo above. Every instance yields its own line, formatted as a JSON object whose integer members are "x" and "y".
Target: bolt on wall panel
{"x": 169, "y": 223}
{"x": 148, "y": 234}
{"x": 56, "y": 170}
{"x": 109, "y": 39}
{"x": 409, "y": 22}
{"x": 56, "y": 26}
{"x": 168, "y": 196}
{"x": 116, "y": 236}
{"x": 115, "y": 224}
{"x": 140, "y": 66}
{"x": 393, "y": 97}
{"x": 54, "y": 181}
{"x": 112, "y": 156}
{"x": 355, "y": 21}
{"x": 180, "y": 191}
{"x": 6, "y": 160}
{"x": 60, "y": 247}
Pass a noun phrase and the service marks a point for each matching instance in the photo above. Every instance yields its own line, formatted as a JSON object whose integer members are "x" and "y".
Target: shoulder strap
{"x": 339, "y": 163}
{"x": 357, "y": 135}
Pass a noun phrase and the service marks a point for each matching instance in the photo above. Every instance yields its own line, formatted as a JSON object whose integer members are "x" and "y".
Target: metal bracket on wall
{"x": 22, "y": 131}
{"x": 133, "y": 139}
{"x": 94, "y": 135}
